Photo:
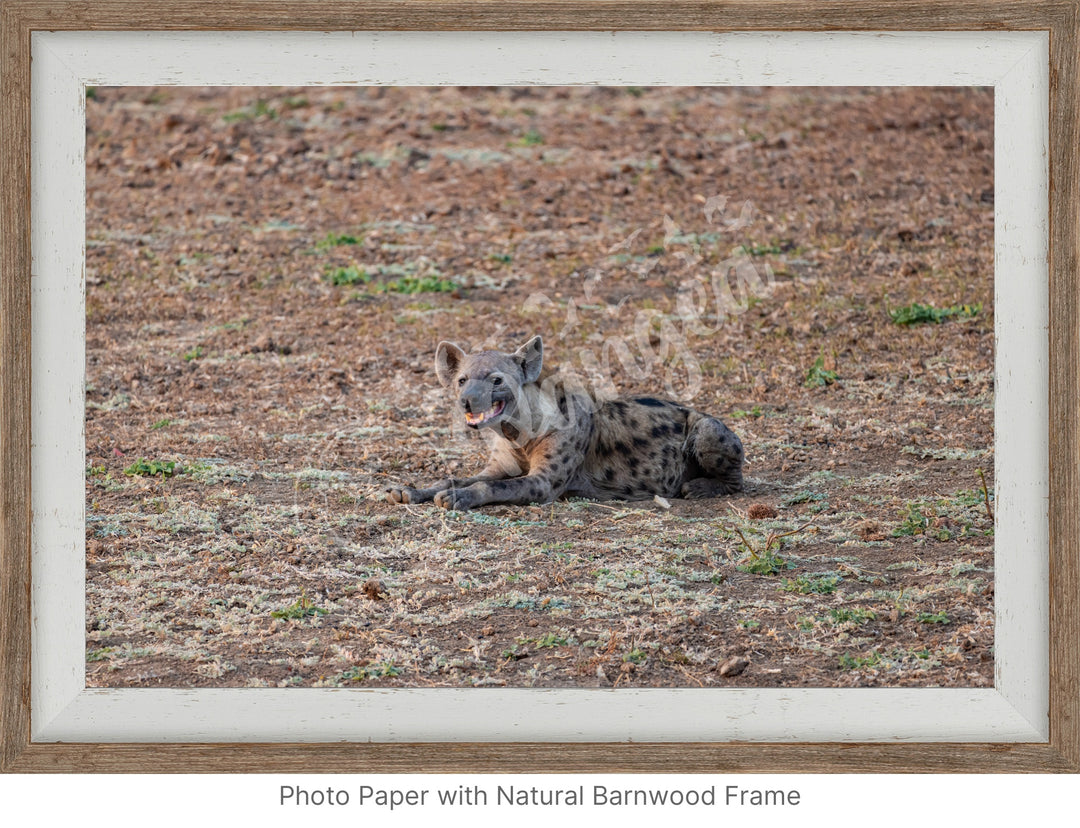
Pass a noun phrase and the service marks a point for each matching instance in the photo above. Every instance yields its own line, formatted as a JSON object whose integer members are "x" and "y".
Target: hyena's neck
{"x": 535, "y": 415}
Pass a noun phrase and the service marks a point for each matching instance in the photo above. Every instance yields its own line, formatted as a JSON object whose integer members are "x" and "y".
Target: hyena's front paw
{"x": 402, "y": 495}
{"x": 457, "y": 500}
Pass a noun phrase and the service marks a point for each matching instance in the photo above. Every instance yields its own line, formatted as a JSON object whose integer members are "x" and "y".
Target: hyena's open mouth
{"x": 478, "y": 419}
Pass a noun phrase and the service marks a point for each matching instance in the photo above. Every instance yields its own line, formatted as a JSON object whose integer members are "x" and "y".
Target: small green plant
{"x": 913, "y": 523}
{"x": 819, "y": 376}
{"x": 302, "y": 607}
{"x": 151, "y": 468}
{"x": 739, "y": 413}
{"x": 337, "y": 240}
{"x": 101, "y": 654}
{"x": 749, "y": 623}
{"x": 808, "y": 584}
{"x": 419, "y": 284}
{"x": 945, "y": 518}
{"x": 919, "y": 314}
{"x": 804, "y": 497}
{"x": 933, "y": 618}
{"x": 766, "y": 561}
{"x": 850, "y": 662}
{"x": 161, "y": 424}
{"x": 531, "y": 138}
{"x": 194, "y": 354}
{"x": 854, "y": 615}
{"x": 351, "y": 275}
{"x": 551, "y": 640}
{"x": 636, "y": 656}
{"x": 513, "y": 653}
{"x": 258, "y": 110}
{"x": 763, "y": 563}
{"x": 367, "y": 672}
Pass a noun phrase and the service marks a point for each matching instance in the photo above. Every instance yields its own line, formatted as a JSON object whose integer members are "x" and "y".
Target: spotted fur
{"x": 549, "y": 439}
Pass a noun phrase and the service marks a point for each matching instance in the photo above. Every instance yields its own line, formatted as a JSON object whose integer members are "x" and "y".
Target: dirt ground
{"x": 269, "y": 272}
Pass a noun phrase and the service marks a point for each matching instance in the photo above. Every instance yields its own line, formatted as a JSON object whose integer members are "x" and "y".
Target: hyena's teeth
{"x": 494, "y": 411}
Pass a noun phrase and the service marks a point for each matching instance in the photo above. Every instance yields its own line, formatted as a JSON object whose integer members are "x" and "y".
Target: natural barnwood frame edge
{"x": 19, "y": 18}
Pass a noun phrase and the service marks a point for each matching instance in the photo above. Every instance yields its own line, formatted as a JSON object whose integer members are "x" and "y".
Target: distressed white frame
{"x": 1014, "y": 63}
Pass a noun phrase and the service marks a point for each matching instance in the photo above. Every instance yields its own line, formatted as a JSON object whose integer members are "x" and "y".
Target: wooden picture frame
{"x": 19, "y": 19}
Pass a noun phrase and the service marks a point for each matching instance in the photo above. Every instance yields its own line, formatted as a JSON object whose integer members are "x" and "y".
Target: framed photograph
{"x": 757, "y": 318}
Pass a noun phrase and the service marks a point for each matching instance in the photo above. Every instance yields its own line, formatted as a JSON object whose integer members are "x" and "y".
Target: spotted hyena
{"x": 549, "y": 440}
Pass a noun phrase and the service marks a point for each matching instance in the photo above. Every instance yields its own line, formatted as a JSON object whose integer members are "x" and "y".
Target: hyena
{"x": 549, "y": 440}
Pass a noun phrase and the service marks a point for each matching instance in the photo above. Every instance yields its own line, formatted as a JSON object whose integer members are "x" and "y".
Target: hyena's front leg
{"x": 532, "y": 488}
{"x": 406, "y": 494}
{"x": 545, "y": 481}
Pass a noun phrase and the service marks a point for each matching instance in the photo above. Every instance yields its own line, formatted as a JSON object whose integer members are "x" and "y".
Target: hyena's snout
{"x": 480, "y": 406}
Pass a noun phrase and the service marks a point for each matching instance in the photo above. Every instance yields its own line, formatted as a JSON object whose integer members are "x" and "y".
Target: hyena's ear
{"x": 530, "y": 357}
{"x": 448, "y": 359}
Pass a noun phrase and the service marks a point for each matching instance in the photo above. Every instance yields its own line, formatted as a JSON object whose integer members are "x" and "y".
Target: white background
{"x": 939, "y": 801}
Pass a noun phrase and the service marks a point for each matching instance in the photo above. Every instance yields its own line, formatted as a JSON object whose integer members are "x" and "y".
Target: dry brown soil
{"x": 269, "y": 272}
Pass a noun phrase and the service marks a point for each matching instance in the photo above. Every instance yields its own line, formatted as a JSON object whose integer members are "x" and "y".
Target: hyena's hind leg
{"x": 714, "y": 459}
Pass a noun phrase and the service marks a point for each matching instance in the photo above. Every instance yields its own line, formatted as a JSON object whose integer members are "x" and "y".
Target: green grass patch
{"x": 919, "y": 314}
{"x": 259, "y": 109}
{"x": 548, "y": 641}
{"x": 532, "y": 138}
{"x": 418, "y": 284}
{"x": 933, "y": 618}
{"x": 853, "y": 615}
{"x": 946, "y": 518}
{"x": 740, "y": 413}
{"x": 302, "y": 607}
{"x": 332, "y": 240}
{"x": 151, "y": 468}
{"x": 763, "y": 563}
{"x": 350, "y": 275}
{"x": 812, "y": 584}
{"x": 804, "y": 497}
{"x": 367, "y": 672}
{"x": 406, "y": 283}
{"x": 855, "y": 662}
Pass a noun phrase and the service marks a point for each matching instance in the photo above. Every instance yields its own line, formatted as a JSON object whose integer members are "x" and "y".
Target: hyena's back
{"x": 643, "y": 446}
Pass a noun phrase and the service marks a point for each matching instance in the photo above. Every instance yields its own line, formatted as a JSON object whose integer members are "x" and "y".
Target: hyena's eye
{"x": 462, "y": 380}
{"x": 496, "y": 380}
